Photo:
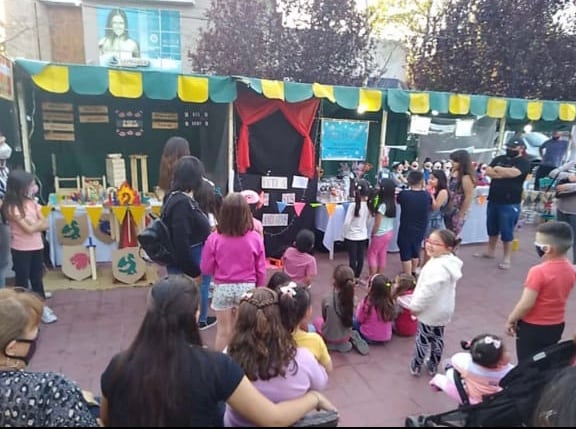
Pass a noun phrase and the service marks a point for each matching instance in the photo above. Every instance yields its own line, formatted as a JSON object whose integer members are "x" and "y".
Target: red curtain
{"x": 253, "y": 108}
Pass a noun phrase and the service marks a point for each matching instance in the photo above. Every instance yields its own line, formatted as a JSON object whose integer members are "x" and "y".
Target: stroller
{"x": 514, "y": 405}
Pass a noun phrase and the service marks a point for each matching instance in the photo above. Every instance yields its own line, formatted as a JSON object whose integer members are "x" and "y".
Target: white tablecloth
{"x": 103, "y": 251}
{"x": 474, "y": 230}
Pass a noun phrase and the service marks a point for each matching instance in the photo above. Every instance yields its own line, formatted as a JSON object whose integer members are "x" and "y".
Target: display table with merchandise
{"x": 474, "y": 230}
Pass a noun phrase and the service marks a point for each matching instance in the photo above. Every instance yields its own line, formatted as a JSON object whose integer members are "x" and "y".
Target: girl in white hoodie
{"x": 434, "y": 298}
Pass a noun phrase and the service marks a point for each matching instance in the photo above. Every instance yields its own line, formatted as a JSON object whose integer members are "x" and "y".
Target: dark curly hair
{"x": 261, "y": 345}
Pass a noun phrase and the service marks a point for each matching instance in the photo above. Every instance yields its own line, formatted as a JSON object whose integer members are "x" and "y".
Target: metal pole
{"x": 23, "y": 126}
{"x": 231, "y": 147}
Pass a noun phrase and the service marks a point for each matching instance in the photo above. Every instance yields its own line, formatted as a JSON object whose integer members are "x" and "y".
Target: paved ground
{"x": 374, "y": 390}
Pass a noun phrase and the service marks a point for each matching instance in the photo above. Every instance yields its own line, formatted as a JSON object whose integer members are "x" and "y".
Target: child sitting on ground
{"x": 298, "y": 261}
{"x": 481, "y": 368}
{"x": 375, "y": 314}
{"x": 405, "y": 325}
{"x": 296, "y": 311}
{"x": 279, "y": 278}
{"x": 335, "y": 324}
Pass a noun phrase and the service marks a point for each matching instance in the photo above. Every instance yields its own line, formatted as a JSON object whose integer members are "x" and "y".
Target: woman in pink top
{"x": 298, "y": 262}
{"x": 375, "y": 313}
{"x": 26, "y": 223}
{"x": 234, "y": 256}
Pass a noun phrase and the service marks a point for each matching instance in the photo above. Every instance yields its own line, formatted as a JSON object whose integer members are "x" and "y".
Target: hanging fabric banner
{"x": 45, "y": 210}
{"x": 138, "y": 213}
{"x": 298, "y": 207}
{"x": 119, "y": 212}
{"x": 330, "y": 207}
{"x": 94, "y": 213}
{"x": 68, "y": 213}
{"x": 281, "y": 206}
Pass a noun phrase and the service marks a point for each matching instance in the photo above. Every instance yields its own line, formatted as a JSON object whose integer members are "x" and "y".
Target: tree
{"x": 323, "y": 41}
{"x": 497, "y": 47}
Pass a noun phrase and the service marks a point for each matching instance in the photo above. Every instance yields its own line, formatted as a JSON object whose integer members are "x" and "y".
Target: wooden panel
{"x": 64, "y": 137}
{"x": 57, "y": 107}
{"x": 160, "y": 125}
{"x": 164, "y": 116}
{"x": 93, "y": 109}
{"x": 66, "y": 33}
{"x": 94, "y": 119}
{"x": 58, "y": 126}
{"x": 59, "y": 117}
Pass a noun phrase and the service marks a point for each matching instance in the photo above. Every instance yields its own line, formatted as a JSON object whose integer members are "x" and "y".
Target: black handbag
{"x": 156, "y": 241}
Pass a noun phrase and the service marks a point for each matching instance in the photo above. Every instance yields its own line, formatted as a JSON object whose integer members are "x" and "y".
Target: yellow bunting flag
{"x": 330, "y": 207}
{"x": 193, "y": 89}
{"x": 534, "y": 110}
{"x": 156, "y": 209}
{"x": 323, "y": 91}
{"x": 53, "y": 78}
{"x": 459, "y": 104}
{"x": 119, "y": 213}
{"x": 68, "y": 213}
{"x": 496, "y": 107}
{"x": 567, "y": 112}
{"x": 370, "y": 100}
{"x": 94, "y": 213}
{"x": 273, "y": 89}
{"x": 125, "y": 84}
{"x": 419, "y": 102}
{"x": 138, "y": 213}
{"x": 45, "y": 210}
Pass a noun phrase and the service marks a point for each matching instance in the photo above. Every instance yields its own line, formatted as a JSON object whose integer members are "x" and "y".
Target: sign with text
{"x": 140, "y": 38}
{"x": 343, "y": 140}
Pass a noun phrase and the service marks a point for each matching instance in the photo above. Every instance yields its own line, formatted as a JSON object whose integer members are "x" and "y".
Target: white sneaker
{"x": 48, "y": 315}
{"x": 47, "y": 295}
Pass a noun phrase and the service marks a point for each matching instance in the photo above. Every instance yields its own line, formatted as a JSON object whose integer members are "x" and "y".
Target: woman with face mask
{"x": 32, "y": 399}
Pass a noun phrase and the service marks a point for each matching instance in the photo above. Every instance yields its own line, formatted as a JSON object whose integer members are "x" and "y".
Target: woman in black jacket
{"x": 188, "y": 225}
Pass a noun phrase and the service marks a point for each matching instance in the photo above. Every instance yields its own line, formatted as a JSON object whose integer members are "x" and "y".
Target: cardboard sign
{"x": 127, "y": 266}
{"x": 73, "y": 234}
{"x": 76, "y": 262}
{"x": 103, "y": 232}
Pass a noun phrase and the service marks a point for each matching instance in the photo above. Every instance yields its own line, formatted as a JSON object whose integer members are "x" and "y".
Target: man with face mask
{"x": 5, "y": 258}
{"x": 553, "y": 153}
{"x": 507, "y": 174}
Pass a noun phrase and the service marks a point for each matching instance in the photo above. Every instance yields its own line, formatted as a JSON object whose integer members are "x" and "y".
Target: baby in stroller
{"x": 480, "y": 368}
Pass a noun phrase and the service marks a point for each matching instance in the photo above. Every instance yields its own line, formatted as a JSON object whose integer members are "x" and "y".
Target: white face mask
{"x": 5, "y": 150}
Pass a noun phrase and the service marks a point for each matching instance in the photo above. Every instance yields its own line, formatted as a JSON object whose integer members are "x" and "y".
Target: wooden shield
{"x": 127, "y": 266}
{"x": 102, "y": 231}
{"x": 73, "y": 234}
{"x": 76, "y": 262}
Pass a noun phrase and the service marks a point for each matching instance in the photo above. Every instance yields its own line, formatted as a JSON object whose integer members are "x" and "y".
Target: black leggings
{"x": 356, "y": 255}
{"x": 29, "y": 269}
{"x": 532, "y": 339}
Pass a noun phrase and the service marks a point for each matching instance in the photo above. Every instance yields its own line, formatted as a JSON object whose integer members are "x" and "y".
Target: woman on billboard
{"x": 116, "y": 47}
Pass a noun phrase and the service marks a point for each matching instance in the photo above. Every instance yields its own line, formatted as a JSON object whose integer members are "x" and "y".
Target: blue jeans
{"x": 501, "y": 220}
{"x": 196, "y": 255}
{"x": 571, "y": 220}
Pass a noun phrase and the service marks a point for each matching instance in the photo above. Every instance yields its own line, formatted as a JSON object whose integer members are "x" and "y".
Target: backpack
{"x": 156, "y": 241}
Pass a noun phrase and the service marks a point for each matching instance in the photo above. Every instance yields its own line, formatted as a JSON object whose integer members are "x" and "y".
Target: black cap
{"x": 514, "y": 143}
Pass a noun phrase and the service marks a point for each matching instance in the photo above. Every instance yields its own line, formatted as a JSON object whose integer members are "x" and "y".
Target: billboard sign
{"x": 140, "y": 38}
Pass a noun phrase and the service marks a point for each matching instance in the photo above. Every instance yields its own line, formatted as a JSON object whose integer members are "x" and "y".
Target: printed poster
{"x": 344, "y": 140}
{"x": 140, "y": 38}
